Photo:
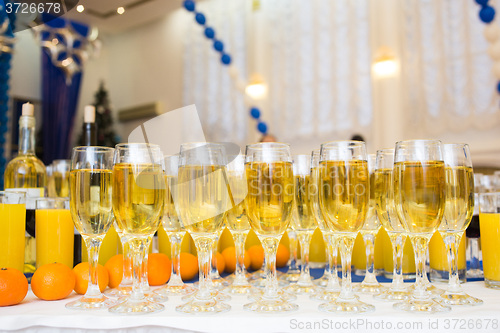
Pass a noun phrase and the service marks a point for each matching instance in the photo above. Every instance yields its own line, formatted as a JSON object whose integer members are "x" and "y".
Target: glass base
{"x": 218, "y": 283}
{"x": 325, "y": 295}
{"x": 425, "y": 305}
{"x": 301, "y": 289}
{"x": 322, "y": 281}
{"x": 119, "y": 292}
{"x": 393, "y": 295}
{"x": 429, "y": 288}
{"x": 217, "y": 295}
{"x": 475, "y": 273}
{"x": 369, "y": 288}
{"x": 290, "y": 276}
{"x": 271, "y": 305}
{"x": 208, "y": 306}
{"x": 457, "y": 299}
{"x": 261, "y": 283}
{"x": 167, "y": 290}
{"x": 255, "y": 296}
{"x": 91, "y": 303}
{"x": 443, "y": 276}
{"x": 351, "y": 305}
{"x": 241, "y": 289}
{"x": 492, "y": 284}
{"x": 136, "y": 306}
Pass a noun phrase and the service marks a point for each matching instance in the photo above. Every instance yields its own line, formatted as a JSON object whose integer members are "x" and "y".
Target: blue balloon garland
{"x": 225, "y": 58}
{"x": 487, "y": 15}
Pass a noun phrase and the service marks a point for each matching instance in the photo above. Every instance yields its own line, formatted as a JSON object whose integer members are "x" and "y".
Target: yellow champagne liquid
{"x": 489, "y": 223}
{"x": 419, "y": 194}
{"x": 384, "y": 201}
{"x": 305, "y": 218}
{"x": 59, "y": 185}
{"x": 54, "y": 237}
{"x": 459, "y": 199}
{"x": 171, "y": 221}
{"x": 236, "y": 217}
{"x": 318, "y": 215}
{"x": 138, "y": 198}
{"x": 90, "y": 201}
{"x": 344, "y": 194}
{"x": 25, "y": 171}
{"x": 270, "y": 196}
{"x": 12, "y": 235}
{"x": 203, "y": 199}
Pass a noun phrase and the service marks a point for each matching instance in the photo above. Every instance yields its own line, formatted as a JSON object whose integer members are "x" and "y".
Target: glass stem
{"x": 144, "y": 275}
{"x": 137, "y": 247}
{"x": 333, "y": 283}
{"x": 214, "y": 272}
{"x": 452, "y": 242}
{"x": 175, "y": 250}
{"x": 270, "y": 249}
{"x": 369, "y": 240}
{"x": 127, "y": 263}
{"x": 292, "y": 236}
{"x": 204, "y": 246}
{"x": 93, "y": 245}
{"x": 239, "y": 242}
{"x": 474, "y": 253}
{"x": 420, "y": 245}
{"x": 329, "y": 254}
{"x": 398, "y": 242}
{"x": 346, "y": 246}
{"x": 304, "y": 240}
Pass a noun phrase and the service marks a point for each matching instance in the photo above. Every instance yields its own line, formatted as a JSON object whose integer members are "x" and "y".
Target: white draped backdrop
{"x": 319, "y": 69}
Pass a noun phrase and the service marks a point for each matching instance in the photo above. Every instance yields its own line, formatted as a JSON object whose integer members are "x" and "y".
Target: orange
{"x": 282, "y": 256}
{"x": 82, "y": 277}
{"x": 256, "y": 254}
{"x": 159, "y": 269}
{"x": 13, "y": 286}
{"x": 189, "y": 266}
{"x": 221, "y": 263}
{"x": 53, "y": 281}
{"x": 115, "y": 270}
{"x": 229, "y": 255}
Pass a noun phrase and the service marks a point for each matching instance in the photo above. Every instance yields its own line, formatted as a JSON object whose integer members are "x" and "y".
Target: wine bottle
{"x": 27, "y": 172}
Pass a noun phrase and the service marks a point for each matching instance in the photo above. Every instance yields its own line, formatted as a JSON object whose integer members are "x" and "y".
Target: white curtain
{"x": 319, "y": 70}
{"x": 206, "y": 81}
{"x": 447, "y": 72}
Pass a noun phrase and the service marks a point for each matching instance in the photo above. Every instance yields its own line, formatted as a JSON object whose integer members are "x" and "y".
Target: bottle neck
{"x": 89, "y": 134}
{"x": 27, "y": 135}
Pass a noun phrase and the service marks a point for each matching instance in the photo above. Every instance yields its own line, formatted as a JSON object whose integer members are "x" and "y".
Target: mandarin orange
{"x": 53, "y": 281}
{"x": 13, "y": 286}
{"x": 82, "y": 277}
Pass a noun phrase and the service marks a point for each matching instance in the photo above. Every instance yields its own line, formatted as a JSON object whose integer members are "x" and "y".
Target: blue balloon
{"x": 189, "y": 5}
{"x": 226, "y": 59}
{"x": 2, "y": 140}
{"x": 262, "y": 127}
{"x": 4, "y": 119}
{"x": 487, "y": 14}
{"x": 218, "y": 46}
{"x": 200, "y": 18}
{"x": 1, "y": 150}
{"x": 255, "y": 113}
{"x": 482, "y": 2}
{"x": 3, "y": 128}
{"x": 498, "y": 87}
{"x": 209, "y": 33}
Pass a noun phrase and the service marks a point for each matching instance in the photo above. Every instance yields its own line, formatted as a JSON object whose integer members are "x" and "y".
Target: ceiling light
{"x": 120, "y": 10}
{"x": 256, "y": 88}
{"x": 80, "y": 8}
{"x": 385, "y": 64}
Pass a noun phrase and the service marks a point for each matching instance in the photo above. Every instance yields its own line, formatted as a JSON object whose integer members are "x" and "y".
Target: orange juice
{"x": 408, "y": 257}
{"x": 489, "y": 223}
{"x": 54, "y": 237}
{"x": 12, "y": 235}
{"x": 438, "y": 257}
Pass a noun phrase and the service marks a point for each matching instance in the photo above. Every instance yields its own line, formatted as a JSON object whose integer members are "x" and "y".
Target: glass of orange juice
{"x": 489, "y": 224}
{"x": 54, "y": 231}
{"x": 12, "y": 229}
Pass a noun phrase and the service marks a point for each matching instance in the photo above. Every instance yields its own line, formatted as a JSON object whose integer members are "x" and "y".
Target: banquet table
{"x": 41, "y": 316}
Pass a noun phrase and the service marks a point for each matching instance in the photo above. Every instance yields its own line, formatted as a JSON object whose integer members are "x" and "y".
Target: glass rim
{"x": 415, "y": 141}
{"x": 136, "y": 144}
{"x": 50, "y": 199}
{"x": 487, "y": 194}
{"x": 196, "y": 144}
{"x": 462, "y": 144}
{"x": 386, "y": 150}
{"x": 85, "y": 148}
{"x": 263, "y": 145}
{"x": 350, "y": 143}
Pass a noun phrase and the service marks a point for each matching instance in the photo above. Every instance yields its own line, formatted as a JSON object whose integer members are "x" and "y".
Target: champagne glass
{"x": 138, "y": 200}
{"x": 174, "y": 227}
{"x": 344, "y": 195}
{"x": 92, "y": 213}
{"x": 386, "y": 211}
{"x": 269, "y": 208}
{"x": 369, "y": 231}
{"x": 332, "y": 289}
{"x": 237, "y": 222}
{"x": 125, "y": 287}
{"x": 305, "y": 224}
{"x": 457, "y": 216}
{"x": 218, "y": 282}
{"x": 203, "y": 200}
{"x": 419, "y": 197}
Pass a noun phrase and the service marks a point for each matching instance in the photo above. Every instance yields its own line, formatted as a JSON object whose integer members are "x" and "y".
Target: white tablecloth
{"x": 42, "y": 316}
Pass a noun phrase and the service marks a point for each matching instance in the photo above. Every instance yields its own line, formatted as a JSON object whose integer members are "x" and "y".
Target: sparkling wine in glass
{"x": 90, "y": 183}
